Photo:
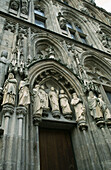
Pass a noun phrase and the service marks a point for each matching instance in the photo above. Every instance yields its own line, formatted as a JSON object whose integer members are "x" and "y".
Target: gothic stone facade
{"x": 55, "y": 73}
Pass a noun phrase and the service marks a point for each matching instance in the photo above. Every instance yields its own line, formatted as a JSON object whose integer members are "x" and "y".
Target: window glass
{"x": 83, "y": 39}
{"x": 40, "y": 23}
{"x": 69, "y": 25}
{"x": 73, "y": 36}
{"x": 39, "y": 12}
{"x": 79, "y": 29}
{"x": 109, "y": 96}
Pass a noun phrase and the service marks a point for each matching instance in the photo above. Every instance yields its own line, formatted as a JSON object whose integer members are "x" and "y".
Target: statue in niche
{"x": 24, "y": 94}
{"x": 4, "y": 63}
{"x": 14, "y": 4}
{"x": 94, "y": 106}
{"x": 104, "y": 108}
{"x": 88, "y": 84}
{"x": 62, "y": 21}
{"x": 54, "y": 102}
{"x": 66, "y": 110}
{"x": 50, "y": 51}
{"x": 20, "y": 40}
{"x": 40, "y": 100}
{"x": 44, "y": 96}
{"x": 9, "y": 90}
{"x": 74, "y": 55}
{"x": 24, "y": 9}
{"x": 78, "y": 107}
{"x": 105, "y": 39}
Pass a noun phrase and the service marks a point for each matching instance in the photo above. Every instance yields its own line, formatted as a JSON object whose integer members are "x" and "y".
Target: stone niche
{"x": 56, "y": 104}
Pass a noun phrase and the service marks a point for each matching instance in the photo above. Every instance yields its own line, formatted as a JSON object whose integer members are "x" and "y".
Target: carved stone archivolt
{"x": 96, "y": 72}
{"x": 57, "y": 77}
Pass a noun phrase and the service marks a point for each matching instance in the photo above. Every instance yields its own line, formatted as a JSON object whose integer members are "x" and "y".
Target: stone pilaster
{"x": 21, "y": 112}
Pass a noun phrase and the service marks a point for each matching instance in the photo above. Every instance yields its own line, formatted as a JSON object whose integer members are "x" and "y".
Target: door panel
{"x": 56, "y": 150}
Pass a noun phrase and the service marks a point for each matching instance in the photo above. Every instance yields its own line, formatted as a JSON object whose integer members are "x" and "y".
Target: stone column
{"x": 7, "y": 111}
{"x": 21, "y": 112}
{"x": 36, "y": 142}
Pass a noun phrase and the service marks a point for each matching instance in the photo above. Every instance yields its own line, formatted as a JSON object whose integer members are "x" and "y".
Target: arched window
{"x": 76, "y": 32}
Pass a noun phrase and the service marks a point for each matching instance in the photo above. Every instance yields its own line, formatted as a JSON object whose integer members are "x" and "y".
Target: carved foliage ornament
{"x": 9, "y": 25}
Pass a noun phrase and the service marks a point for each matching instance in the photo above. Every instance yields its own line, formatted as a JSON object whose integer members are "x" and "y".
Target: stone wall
{"x": 72, "y": 54}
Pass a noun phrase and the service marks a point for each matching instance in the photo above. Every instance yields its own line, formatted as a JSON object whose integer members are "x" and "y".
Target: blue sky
{"x": 106, "y": 4}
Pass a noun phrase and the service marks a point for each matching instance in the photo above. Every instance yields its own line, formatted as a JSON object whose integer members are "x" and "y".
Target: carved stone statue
{"x": 105, "y": 39}
{"x": 3, "y": 67}
{"x": 78, "y": 107}
{"x": 94, "y": 106}
{"x": 62, "y": 21}
{"x": 24, "y": 9}
{"x": 9, "y": 90}
{"x": 51, "y": 52}
{"x": 44, "y": 96}
{"x": 24, "y": 94}
{"x": 84, "y": 9}
{"x": 54, "y": 101}
{"x": 104, "y": 108}
{"x": 40, "y": 100}
{"x": 14, "y": 4}
{"x": 66, "y": 110}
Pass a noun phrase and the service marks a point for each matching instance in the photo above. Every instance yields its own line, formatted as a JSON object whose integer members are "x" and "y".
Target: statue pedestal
{"x": 82, "y": 125}
{"x": 56, "y": 114}
{"x": 68, "y": 116}
{"x": 100, "y": 122}
{"x": 37, "y": 118}
{"x": 108, "y": 123}
{"x": 45, "y": 112}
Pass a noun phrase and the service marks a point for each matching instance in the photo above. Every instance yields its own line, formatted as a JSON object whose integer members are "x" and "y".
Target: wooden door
{"x": 56, "y": 150}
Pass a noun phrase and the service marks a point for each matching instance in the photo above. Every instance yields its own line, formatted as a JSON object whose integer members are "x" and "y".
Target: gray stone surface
{"x": 52, "y": 57}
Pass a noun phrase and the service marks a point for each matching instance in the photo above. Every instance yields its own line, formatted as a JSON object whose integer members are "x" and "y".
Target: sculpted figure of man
{"x": 78, "y": 107}
{"x": 9, "y": 90}
{"x": 44, "y": 97}
{"x": 104, "y": 108}
{"x": 54, "y": 99}
{"x": 37, "y": 101}
{"x": 24, "y": 94}
{"x": 94, "y": 106}
{"x": 14, "y": 4}
{"x": 40, "y": 100}
{"x": 66, "y": 110}
{"x": 3, "y": 67}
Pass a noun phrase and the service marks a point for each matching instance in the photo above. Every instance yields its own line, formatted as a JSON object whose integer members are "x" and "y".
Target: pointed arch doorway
{"x": 56, "y": 152}
{"x": 54, "y": 147}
